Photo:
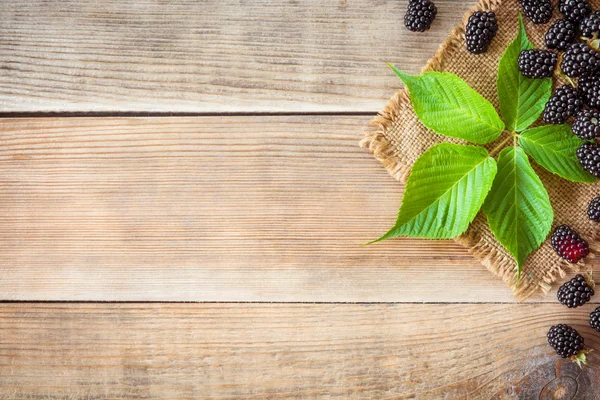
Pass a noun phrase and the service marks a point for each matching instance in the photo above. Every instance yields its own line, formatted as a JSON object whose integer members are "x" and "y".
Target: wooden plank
{"x": 209, "y": 56}
{"x": 233, "y": 351}
{"x": 212, "y": 209}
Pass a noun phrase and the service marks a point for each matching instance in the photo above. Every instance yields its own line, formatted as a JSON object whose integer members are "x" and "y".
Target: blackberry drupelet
{"x": 589, "y": 87}
{"x": 595, "y": 319}
{"x": 561, "y": 34}
{"x": 565, "y": 102}
{"x": 419, "y": 15}
{"x": 576, "y": 292}
{"x": 537, "y": 63}
{"x": 565, "y": 340}
{"x": 538, "y": 11}
{"x": 587, "y": 125}
{"x": 589, "y": 158}
{"x": 579, "y": 60}
{"x": 574, "y": 10}
{"x": 591, "y": 25}
{"x": 569, "y": 245}
{"x": 480, "y": 31}
{"x": 593, "y": 209}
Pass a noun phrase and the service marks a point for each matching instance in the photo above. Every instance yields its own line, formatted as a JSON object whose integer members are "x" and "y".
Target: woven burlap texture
{"x": 397, "y": 139}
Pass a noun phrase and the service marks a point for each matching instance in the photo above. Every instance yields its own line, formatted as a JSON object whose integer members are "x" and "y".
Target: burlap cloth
{"x": 397, "y": 139}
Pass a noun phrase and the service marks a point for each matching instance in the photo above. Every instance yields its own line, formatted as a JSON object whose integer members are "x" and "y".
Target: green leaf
{"x": 554, "y": 147}
{"x": 522, "y": 99}
{"x": 444, "y": 192}
{"x": 447, "y": 105}
{"x": 518, "y": 208}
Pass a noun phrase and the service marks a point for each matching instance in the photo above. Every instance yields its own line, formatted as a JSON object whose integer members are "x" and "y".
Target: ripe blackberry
{"x": 538, "y": 11}
{"x": 575, "y": 292}
{"x": 569, "y": 245}
{"x": 589, "y": 87}
{"x": 579, "y": 60}
{"x": 595, "y": 319}
{"x": 480, "y": 31}
{"x": 565, "y": 102}
{"x": 591, "y": 25}
{"x": 565, "y": 340}
{"x": 587, "y": 125}
{"x": 574, "y": 10}
{"x": 561, "y": 34}
{"x": 419, "y": 15}
{"x": 537, "y": 63}
{"x": 589, "y": 158}
{"x": 593, "y": 209}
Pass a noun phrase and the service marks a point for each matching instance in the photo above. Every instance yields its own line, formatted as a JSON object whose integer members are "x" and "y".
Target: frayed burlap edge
{"x": 395, "y": 163}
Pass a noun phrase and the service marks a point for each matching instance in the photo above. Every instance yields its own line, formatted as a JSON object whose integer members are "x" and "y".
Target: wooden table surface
{"x": 183, "y": 202}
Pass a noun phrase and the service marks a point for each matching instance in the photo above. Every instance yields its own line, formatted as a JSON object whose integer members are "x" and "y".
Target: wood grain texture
{"x": 212, "y": 209}
{"x": 220, "y": 351}
{"x": 210, "y": 55}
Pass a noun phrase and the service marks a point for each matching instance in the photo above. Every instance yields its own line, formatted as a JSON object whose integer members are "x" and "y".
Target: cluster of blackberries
{"x": 540, "y": 11}
{"x": 480, "y": 30}
{"x": 593, "y": 212}
{"x": 576, "y": 292}
{"x": 569, "y": 245}
{"x": 564, "y": 339}
{"x": 580, "y": 60}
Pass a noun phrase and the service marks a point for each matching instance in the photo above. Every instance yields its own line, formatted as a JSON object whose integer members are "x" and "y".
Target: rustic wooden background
{"x": 157, "y": 152}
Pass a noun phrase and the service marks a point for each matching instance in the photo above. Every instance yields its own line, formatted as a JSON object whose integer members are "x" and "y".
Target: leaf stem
{"x": 496, "y": 149}
{"x": 563, "y": 76}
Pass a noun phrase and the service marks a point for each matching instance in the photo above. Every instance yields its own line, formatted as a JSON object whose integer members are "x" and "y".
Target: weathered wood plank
{"x": 209, "y": 56}
{"x": 212, "y": 209}
{"x": 59, "y": 351}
